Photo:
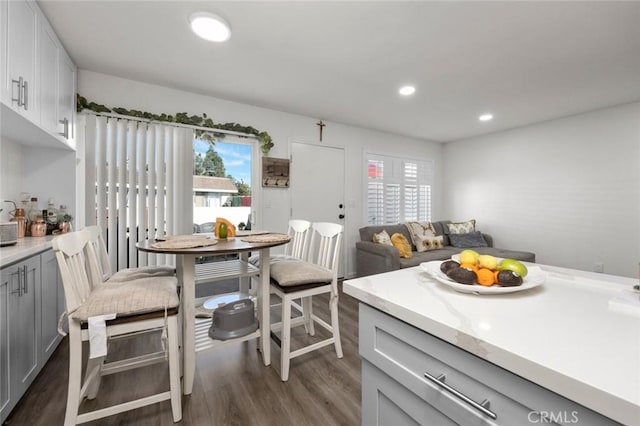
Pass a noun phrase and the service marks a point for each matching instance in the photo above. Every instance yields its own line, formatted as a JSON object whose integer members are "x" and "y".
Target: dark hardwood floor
{"x": 232, "y": 386}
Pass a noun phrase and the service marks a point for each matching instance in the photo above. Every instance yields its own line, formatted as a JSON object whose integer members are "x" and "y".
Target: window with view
{"x": 221, "y": 181}
{"x": 398, "y": 189}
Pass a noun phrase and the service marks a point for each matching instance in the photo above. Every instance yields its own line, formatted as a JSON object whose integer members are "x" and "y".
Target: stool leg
{"x": 334, "y": 324}
{"x": 307, "y": 312}
{"x": 174, "y": 369}
{"x": 285, "y": 344}
{"x": 75, "y": 374}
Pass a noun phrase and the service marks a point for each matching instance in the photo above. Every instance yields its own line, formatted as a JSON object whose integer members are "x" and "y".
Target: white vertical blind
{"x": 143, "y": 178}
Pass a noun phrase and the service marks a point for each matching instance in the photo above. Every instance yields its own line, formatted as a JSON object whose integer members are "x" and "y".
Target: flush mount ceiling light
{"x": 407, "y": 90}
{"x": 210, "y": 27}
{"x": 486, "y": 117}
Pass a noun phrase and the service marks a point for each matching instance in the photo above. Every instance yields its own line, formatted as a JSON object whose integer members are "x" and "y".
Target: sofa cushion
{"x": 429, "y": 243}
{"x": 382, "y": 237}
{"x": 421, "y": 233}
{"x": 427, "y": 256}
{"x": 366, "y": 233}
{"x": 462, "y": 227}
{"x": 401, "y": 243}
{"x": 469, "y": 239}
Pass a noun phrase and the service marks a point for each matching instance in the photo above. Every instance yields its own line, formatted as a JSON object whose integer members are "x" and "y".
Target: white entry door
{"x": 317, "y": 186}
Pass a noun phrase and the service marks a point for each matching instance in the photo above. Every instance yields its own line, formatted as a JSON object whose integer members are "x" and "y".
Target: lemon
{"x": 469, "y": 256}
{"x": 487, "y": 261}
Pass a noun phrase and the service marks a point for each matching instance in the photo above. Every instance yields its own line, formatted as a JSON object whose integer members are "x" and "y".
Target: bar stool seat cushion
{"x": 297, "y": 272}
{"x": 142, "y": 272}
{"x": 130, "y": 298}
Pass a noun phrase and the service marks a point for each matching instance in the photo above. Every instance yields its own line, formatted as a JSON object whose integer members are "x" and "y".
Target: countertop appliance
{"x": 8, "y": 233}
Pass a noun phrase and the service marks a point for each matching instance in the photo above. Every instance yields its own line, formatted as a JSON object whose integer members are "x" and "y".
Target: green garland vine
{"x": 266, "y": 143}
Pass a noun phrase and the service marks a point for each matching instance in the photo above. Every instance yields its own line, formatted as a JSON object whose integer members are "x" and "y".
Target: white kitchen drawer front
{"x": 405, "y": 354}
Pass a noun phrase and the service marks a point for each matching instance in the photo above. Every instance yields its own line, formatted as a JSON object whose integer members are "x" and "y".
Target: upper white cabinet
{"x": 19, "y": 83}
{"x": 38, "y": 78}
{"x": 57, "y": 78}
{"x": 66, "y": 96}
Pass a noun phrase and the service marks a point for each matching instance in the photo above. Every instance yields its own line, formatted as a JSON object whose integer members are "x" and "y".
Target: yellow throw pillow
{"x": 400, "y": 242}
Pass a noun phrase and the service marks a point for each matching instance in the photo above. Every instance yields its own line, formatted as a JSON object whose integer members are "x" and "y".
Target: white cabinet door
{"x": 20, "y": 79}
{"x": 50, "y": 305}
{"x": 66, "y": 96}
{"x": 4, "y": 349}
{"x": 48, "y": 78}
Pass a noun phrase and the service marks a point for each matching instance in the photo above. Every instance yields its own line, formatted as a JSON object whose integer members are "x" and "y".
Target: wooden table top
{"x": 224, "y": 246}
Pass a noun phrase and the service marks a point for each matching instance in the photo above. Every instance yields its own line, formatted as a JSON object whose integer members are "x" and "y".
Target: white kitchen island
{"x": 564, "y": 337}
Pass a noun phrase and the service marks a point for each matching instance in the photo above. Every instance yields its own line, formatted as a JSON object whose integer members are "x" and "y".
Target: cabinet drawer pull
{"x": 483, "y": 407}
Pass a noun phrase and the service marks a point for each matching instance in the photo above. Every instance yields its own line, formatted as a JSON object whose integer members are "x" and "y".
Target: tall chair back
{"x": 324, "y": 248}
{"x": 71, "y": 253}
{"x": 299, "y": 232}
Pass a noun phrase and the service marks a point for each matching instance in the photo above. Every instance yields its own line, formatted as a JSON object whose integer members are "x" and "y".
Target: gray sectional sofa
{"x": 373, "y": 258}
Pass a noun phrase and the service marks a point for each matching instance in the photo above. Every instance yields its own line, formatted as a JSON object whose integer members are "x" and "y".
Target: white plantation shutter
{"x": 142, "y": 187}
{"x": 398, "y": 189}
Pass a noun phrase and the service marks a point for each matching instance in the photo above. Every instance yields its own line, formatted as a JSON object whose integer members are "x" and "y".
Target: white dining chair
{"x": 303, "y": 279}
{"x": 105, "y": 270}
{"x": 139, "y": 306}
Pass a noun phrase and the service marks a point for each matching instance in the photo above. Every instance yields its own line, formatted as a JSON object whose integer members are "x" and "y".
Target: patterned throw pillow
{"x": 470, "y": 239}
{"x": 400, "y": 242}
{"x": 420, "y": 231}
{"x": 382, "y": 237}
{"x": 429, "y": 243}
{"x": 462, "y": 227}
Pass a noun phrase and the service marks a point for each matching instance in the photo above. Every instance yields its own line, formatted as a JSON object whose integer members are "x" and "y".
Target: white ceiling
{"x": 344, "y": 61}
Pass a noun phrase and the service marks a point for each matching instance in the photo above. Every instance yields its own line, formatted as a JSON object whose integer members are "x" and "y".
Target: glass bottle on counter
{"x": 62, "y": 213}
{"x": 52, "y": 215}
{"x": 33, "y": 212}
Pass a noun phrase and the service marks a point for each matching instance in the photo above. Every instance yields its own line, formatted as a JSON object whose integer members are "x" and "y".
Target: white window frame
{"x": 405, "y": 188}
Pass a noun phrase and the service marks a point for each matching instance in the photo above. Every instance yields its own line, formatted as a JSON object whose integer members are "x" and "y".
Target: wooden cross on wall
{"x": 321, "y": 125}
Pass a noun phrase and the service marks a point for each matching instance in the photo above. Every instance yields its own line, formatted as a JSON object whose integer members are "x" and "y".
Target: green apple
{"x": 513, "y": 265}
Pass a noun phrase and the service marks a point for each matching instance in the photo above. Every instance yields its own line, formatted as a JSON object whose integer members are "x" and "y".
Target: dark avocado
{"x": 462, "y": 275}
{"x": 508, "y": 278}
{"x": 449, "y": 264}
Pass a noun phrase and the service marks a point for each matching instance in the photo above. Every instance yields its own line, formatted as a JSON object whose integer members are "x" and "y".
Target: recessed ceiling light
{"x": 407, "y": 90}
{"x": 210, "y": 27}
{"x": 486, "y": 117}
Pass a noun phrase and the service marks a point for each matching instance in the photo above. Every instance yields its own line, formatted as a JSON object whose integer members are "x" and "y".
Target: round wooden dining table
{"x": 236, "y": 268}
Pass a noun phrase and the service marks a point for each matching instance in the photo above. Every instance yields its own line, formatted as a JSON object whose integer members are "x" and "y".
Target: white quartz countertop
{"x": 563, "y": 335}
{"x": 24, "y": 248}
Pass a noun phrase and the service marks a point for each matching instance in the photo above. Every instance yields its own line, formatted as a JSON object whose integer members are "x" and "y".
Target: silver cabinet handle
{"x": 25, "y": 272}
{"x": 483, "y": 407}
{"x": 19, "y": 290}
{"x": 19, "y": 82}
{"x": 65, "y": 128}
{"x": 25, "y": 95}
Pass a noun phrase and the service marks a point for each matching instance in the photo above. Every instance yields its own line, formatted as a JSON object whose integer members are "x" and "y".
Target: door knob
{"x": 340, "y": 206}
{"x": 340, "y": 216}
